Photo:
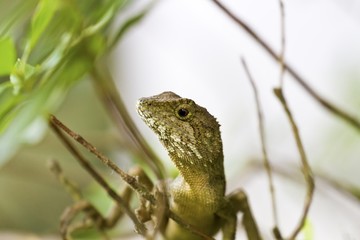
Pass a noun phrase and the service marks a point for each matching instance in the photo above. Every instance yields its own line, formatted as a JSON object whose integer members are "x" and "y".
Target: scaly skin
{"x": 192, "y": 138}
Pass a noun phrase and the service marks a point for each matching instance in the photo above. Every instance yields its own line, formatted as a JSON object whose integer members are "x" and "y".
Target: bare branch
{"x": 57, "y": 126}
{"x": 306, "y": 169}
{"x": 353, "y": 121}
{"x": 73, "y": 190}
{"x": 266, "y": 161}
{"x": 283, "y": 42}
{"x": 93, "y": 216}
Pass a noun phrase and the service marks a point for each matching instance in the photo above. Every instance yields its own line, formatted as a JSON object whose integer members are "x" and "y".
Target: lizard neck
{"x": 201, "y": 171}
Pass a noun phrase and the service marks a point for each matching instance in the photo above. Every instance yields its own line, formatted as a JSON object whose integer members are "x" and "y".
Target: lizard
{"x": 195, "y": 205}
{"x": 192, "y": 138}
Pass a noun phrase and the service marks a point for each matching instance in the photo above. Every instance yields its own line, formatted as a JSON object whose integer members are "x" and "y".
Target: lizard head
{"x": 188, "y": 131}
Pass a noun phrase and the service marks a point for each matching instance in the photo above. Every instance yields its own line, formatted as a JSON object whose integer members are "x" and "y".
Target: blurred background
{"x": 194, "y": 49}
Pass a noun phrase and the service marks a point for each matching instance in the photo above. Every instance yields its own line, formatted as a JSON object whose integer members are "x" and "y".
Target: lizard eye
{"x": 183, "y": 112}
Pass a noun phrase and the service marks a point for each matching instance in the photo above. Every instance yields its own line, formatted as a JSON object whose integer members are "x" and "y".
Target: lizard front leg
{"x": 237, "y": 202}
{"x": 228, "y": 221}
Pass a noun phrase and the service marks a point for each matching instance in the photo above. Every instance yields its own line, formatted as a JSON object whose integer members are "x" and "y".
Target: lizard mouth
{"x": 141, "y": 109}
{"x": 144, "y": 113}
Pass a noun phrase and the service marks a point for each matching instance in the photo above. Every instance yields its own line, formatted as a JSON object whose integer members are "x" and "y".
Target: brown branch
{"x": 73, "y": 190}
{"x": 94, "y": 217}
{"x": 276, "y": 230}
{"x": 353, "y": 121}
{"x": 266, "y": 161}
{"x": 308, "y": 175}
{"x": 57, "y": 126}
{"x": 126, "y": 177}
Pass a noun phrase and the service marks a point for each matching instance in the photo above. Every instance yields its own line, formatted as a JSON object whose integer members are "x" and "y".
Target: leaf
{"x": 65, "y": 39}
{"x": 8, "y": 55}
{"x": 41, "y": 19}
{"x": 127, "y": 25}
{"x": 100, "y": 24}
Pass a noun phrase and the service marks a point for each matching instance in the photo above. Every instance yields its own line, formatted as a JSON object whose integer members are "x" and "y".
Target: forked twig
{"x": 308, "y": 175}
{"x": 306, "y": 167}
{"x": 266, "y": 160}
{"x": 94, "y": 217}
{"x": 56, "y": 125}
{"x": 353, "y": 121}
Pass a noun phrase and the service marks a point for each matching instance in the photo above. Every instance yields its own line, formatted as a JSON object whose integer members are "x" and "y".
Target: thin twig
{"x": 353, "y": 121}
{"x": 73, "y": 190}
{"x": 57, "y": 126}
{"x": 67, "y": 226}
{"x": 306, "y": 167}
{"x": 94, "y": 217}
{"x": 276, "y": 230}
{"x": 126, "y": 177}
{"x": 308, "y": 175}
{"x": 266, "y": 161}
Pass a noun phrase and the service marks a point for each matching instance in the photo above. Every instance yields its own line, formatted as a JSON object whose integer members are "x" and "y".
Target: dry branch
{"x": 306, "y": 169}
{"x": 266, "y": 161}
{"x": 349, "y": 118}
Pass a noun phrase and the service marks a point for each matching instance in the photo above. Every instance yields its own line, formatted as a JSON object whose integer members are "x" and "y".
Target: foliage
{"x": 41, "y": 60}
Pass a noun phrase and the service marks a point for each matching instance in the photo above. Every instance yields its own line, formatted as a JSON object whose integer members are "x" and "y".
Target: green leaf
{"x": 104, "y": 20}
{"x": 41, "y": 19}
{"x": 8, "y": 55}
{"x": 128, "y": 24}
{"x": 64, "y": 40}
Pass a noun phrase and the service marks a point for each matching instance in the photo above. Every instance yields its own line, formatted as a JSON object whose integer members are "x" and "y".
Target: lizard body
{"x": 192, "y": 138}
